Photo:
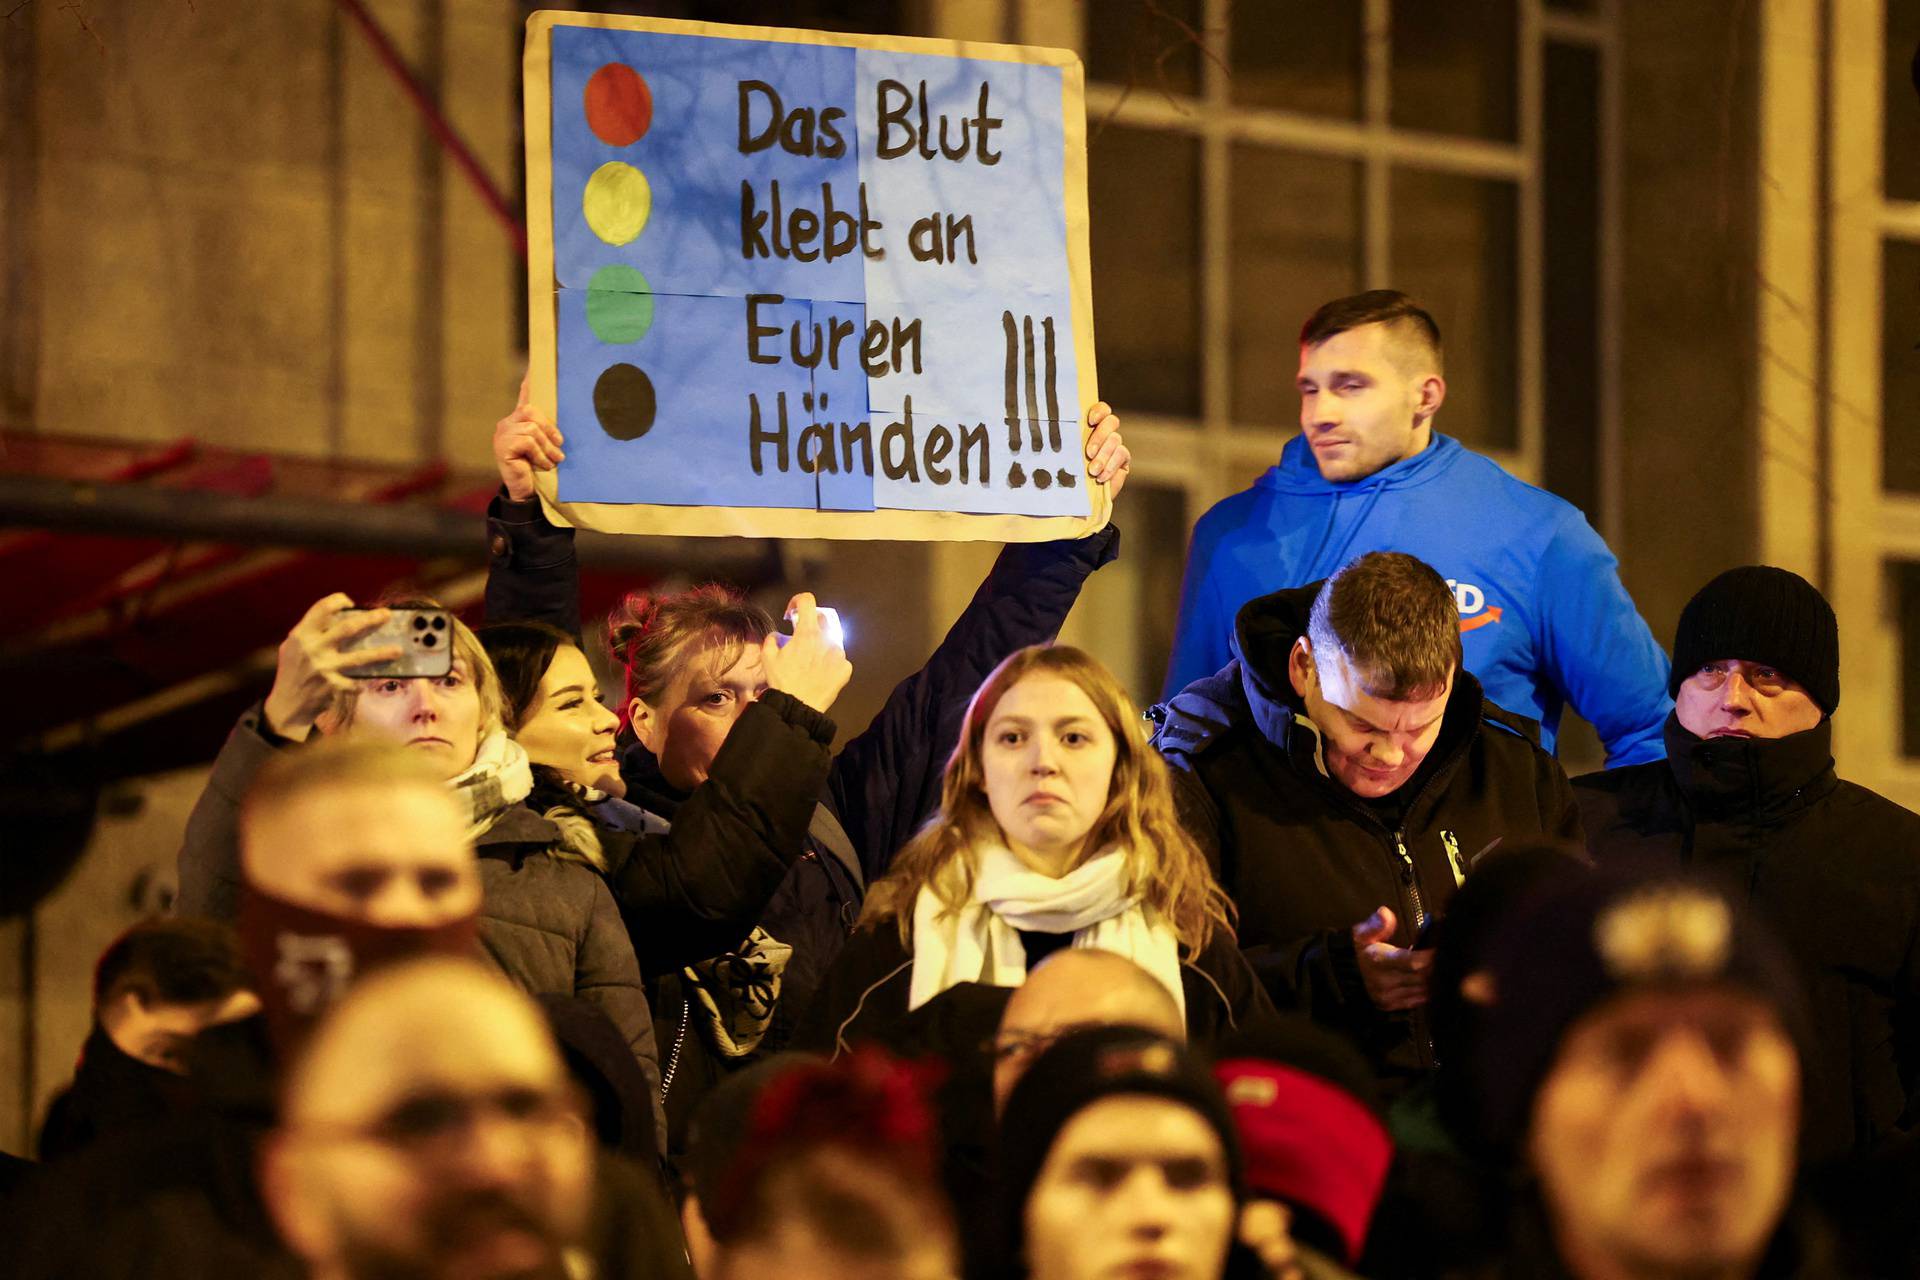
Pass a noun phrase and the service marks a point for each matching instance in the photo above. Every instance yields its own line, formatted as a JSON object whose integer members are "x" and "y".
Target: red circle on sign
{"x": 619, "y": 105}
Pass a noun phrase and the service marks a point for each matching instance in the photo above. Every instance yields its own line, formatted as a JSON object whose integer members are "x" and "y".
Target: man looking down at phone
{"x": 548, "y": 920}
{"x": 727, "y": 743}
{"x": 1341, "y": 774}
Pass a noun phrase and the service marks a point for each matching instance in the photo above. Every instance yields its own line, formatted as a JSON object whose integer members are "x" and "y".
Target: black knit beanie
{"x": 1758, "y": 613}
{"x": 1600, "y": 936}
{"x": 1082, "y": 1068}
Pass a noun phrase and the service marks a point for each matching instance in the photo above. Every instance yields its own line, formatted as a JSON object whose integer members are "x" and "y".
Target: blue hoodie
{"x": 1544, "y": 620}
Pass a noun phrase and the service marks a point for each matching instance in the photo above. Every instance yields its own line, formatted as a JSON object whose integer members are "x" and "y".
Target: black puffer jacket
{"x": 833, "y": 828}
{"x": 1305, "y": 860}
{"x": 1836, "y": 870}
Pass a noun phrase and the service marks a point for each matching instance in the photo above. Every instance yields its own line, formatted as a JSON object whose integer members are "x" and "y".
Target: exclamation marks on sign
{"x": 1023, "y": 352}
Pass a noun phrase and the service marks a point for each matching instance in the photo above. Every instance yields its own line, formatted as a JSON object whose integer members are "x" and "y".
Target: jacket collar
{"x": 1755, "y": 779}
{"x": 1264, "y": 634}
{"x": 647, "y": 787}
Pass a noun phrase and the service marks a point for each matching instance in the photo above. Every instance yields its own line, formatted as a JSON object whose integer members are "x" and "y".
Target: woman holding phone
{"x": 547, "y": 919}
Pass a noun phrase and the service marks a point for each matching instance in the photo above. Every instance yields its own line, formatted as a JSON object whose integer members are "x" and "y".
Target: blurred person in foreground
{"x": 1642, "y": 1058}
{"x": 1118, "y": 1157}
{"x": 813, "y": 1170}
{"x": 155, "y": 988}
{"x": 1316, "y": 1145}
{"x": 429, "y": 1129}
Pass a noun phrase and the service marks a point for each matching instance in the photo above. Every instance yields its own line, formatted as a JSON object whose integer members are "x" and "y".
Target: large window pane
{"x": 1455, "y": 67}
{"x": 1144, "y": 193}
{"x": 1145, "y": 44}
{"x": 1456, "y": 248}
{"x": 1904, "y": 581}
{"x": 1306, "y": 55}
{"x": 1296, "y": 244}
{"x": 1571, "y": 332}
{"x": 1902, "y": 138}
{"x": 1900, "y": 366}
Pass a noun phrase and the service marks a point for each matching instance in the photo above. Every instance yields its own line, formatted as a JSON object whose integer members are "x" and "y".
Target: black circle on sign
{"x": 623, "y": 401}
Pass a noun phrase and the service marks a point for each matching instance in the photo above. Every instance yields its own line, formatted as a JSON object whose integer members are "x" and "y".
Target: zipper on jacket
{"x": 673, "y": 1059}
{"x": 1411, "y": 879}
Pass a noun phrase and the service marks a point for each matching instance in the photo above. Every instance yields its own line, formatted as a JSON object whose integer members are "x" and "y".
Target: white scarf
{"x": 498, "y": 778}
{"x": 980, "y": 942}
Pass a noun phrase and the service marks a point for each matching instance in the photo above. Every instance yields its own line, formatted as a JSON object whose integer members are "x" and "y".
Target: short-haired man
{"x": 1544, "y": 619}
{"x": 1748, "y": 795}
{"x": 1343, "y": 773}
{"x": 1642, "y": 1060}
{"x": 354, "y": 856}
{"x": 429, "y": 1129}
{"x": 155, "y": 987}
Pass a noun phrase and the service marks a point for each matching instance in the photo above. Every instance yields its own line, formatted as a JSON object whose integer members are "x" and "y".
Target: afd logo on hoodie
{"x": 1475, "y": 612}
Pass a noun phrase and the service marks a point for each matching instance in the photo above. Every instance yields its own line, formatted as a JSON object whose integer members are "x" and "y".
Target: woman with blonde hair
{"x": 1056, "y": 829}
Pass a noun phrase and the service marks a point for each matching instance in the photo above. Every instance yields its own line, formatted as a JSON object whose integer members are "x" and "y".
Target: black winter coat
{"x": 1834, "y": 868}
{"x": 865, "y": 998}
{"x": 1305, "y": 860}
{"x": 832, "y": 826}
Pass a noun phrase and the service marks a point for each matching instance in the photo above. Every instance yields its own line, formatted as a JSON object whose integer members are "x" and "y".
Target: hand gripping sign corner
{"x": 797, "y": 284}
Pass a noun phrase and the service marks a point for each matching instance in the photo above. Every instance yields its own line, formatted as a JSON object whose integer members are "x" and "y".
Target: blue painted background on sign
{"x": 699, "y": 451}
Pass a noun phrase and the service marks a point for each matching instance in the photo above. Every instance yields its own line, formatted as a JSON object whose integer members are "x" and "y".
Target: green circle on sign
{"x": 619, "y": 305}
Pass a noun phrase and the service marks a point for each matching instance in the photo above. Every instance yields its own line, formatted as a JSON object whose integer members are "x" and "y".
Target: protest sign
{"x": 798, "y": 284}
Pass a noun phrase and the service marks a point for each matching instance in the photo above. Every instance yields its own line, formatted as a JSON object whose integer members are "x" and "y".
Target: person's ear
{"x": 1432, "y": 393}
{"x": 1300, "y": 672}
{"x": 645, "y": 722}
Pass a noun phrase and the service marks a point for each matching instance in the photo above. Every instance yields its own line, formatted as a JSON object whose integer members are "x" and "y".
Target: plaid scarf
{"x": 498, "y": 779}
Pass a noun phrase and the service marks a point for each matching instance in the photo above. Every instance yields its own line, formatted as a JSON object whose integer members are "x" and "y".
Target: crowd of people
{"x": 1322, "y": 967}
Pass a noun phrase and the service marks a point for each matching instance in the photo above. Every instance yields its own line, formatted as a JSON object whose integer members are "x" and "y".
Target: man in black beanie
{"x": 1118, "y": 1156}
{"x": 1642, "y": 1061}
{"x": 1747, "y": 796}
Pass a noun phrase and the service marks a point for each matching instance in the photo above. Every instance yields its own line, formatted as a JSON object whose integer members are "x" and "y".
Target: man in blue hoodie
{"x": 1544, "y": 619}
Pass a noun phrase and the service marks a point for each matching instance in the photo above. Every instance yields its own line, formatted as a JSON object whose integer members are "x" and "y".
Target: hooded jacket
{"x": 1305, "y": 860}
{"x": 1835, "y": 869}
{"x": 1544, "y": 620}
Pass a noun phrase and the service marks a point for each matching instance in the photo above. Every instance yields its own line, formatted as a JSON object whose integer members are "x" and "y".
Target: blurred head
{"x": 359, "y": 829}
{"x": 442, "y": 717}
{"x": 550, "y": 703}
{"x": 355, "y": 855}
{"x": 1118, "y": 1158}
{"x": 1053, "y": 760}
{"x": 165, "y": 980}
{"x": 1370, "y": 382}
{"x": 1071, "y": 989}
{"x": 429, "y": 1130}
{"x": 1376, "y": 668}
{"x": 1643, "y": 1049}
{"x": 1307, "y": 1110}
{"x": 692, "y": 664}
{"x": 1756, "y": 654}
{"x": 831, "y": 1177}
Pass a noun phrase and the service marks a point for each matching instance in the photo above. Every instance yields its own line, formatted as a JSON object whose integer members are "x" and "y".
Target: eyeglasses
{"x": 440, "y": 1123}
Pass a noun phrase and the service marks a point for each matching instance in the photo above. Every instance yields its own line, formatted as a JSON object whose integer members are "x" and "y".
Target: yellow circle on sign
{"x": 617, "y": 202}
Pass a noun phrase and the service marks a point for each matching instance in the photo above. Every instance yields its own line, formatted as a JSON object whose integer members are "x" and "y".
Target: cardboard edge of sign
{"x": 784, "y": 522}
